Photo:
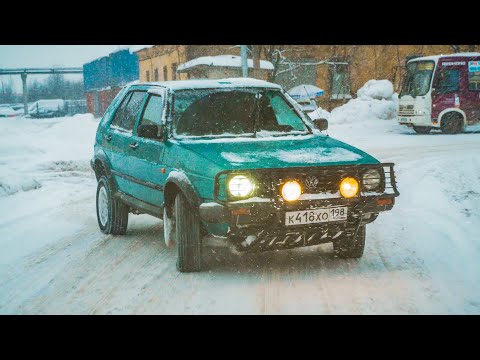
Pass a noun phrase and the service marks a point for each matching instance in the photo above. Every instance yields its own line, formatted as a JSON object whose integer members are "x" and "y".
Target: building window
{"x": 340, "y": 80}
{"x": 148, "y": 75}
{"x": 155, "y": 75}
{"x": 174, "y": 71}
{"x": 165, "y": 73}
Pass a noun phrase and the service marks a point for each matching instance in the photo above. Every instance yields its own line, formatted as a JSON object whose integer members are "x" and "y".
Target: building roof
{"x": 436, "y": 57}
{"x": 222, "y": 61}
{"x": 214, "y": 83}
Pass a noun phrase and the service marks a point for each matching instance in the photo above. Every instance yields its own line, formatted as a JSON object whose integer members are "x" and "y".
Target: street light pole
{"x": 25, "y": 95}
{"x": 244, "y": 60}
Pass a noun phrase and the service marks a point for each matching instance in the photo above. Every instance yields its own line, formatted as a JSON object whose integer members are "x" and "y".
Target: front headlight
{"x": 349, "y": 187}
{"x": 240, "y": 186}
{"x": 371, "y": 180}
{"x": 291, "y": 190}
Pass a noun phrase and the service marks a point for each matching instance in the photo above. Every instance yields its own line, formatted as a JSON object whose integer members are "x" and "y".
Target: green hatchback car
{"x": 237, "y": 159}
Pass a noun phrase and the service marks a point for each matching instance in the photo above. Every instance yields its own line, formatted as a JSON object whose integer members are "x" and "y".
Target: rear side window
{"x": 448, "y": 81}
{"x": 128, "y": 111}
{"x": 153, "y": 111}
{"x": 474, "y": 81}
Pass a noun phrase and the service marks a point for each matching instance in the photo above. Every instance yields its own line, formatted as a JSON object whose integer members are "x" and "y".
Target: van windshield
{"x": 419, "y": 78}
{"x": 234, "y": 112}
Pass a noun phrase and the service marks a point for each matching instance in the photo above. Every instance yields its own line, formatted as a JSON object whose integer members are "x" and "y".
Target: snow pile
{"x": 364, "y": 115}
{"x": 376, "y": 89}
{"x": 363, "y": 109}
{"x": 34, "y": 151}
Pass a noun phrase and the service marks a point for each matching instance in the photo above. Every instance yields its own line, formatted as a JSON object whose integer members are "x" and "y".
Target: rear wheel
{"x": 112, "y": 214}
{"x": 452, "y": 123}
{"x": 421, "y": 129}
{"x": 187, "y": 234}
{"x": 348, "y": 247}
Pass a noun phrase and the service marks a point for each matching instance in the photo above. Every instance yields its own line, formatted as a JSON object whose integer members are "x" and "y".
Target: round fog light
{"x": 349, "y": 187}
{"x": 291, "y": 190}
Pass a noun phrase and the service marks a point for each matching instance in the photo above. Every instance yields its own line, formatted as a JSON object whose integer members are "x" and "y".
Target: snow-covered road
{"x": 421, "y": 258}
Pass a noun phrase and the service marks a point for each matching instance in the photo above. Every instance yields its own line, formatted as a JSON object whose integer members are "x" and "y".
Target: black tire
{"x": 349, "y": 248}
{"x": 116, "y": 220}
{"x": 421, "y": 129}
{"x": 188, "y": 239}
{"x": 452, "y": 124}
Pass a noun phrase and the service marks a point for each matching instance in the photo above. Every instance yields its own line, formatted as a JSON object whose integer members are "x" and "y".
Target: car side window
{"x": 153, "y": 111}
{"x": 127, "y": 112}
{"x": 448, "y": 81}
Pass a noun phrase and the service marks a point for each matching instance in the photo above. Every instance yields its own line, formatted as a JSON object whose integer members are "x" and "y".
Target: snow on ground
{"x": 420, "y": 258}
{"x": 44, "y": 165}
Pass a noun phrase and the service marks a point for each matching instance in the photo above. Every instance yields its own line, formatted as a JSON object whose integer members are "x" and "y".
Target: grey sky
{"x": 18, "y": 56}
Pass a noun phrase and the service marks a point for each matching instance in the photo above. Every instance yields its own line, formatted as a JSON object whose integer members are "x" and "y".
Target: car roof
{"x": 212, "y": 84}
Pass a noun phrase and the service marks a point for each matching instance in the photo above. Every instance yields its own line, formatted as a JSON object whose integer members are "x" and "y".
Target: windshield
{"x": 419, "y": 76}
{"x": 233, "y": 112}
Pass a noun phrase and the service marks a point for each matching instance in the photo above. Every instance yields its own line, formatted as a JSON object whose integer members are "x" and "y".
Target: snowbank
{"x": 376, "y": 89}
{"x": 33, "y": 151}
{"x": 371, "y": 115}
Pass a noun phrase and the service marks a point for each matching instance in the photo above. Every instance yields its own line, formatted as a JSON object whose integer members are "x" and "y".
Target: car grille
{"x": 318, "y": 182}
{"x": 406, "y": 110}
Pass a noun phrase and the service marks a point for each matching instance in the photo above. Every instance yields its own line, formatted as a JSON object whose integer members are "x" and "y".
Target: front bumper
{"x": 417, "y": 120}
{"x": 259, "y": 223}
{"x": 260, "y": 226}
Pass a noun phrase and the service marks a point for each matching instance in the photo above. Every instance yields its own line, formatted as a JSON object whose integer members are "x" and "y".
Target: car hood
{"x": 276, "y": 152}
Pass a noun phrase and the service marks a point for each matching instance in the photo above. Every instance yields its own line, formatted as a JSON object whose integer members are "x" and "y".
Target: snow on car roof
{"x": 214, "y": 83}
{"x": 436, "y": 57}
{"x": 223, "y": 61}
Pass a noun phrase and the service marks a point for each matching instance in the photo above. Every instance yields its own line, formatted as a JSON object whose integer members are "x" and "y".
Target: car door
{"x": 447, "y": 88}
{"x": 146, "y": 156}
{"x": 121, "y": 139}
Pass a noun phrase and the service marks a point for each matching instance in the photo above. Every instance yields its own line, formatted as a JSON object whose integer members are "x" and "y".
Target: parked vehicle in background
{"x": 234, "y": 158}
{"x": 441, "y": 92}
{"x": 7, "y": 111}
{"x": 47, "y": 108}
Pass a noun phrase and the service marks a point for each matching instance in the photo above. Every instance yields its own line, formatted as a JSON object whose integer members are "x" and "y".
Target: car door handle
{"x": 134, "y": 146}
{"x": 108, "y": 137}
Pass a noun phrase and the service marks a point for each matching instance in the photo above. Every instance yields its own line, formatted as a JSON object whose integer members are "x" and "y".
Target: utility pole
{"x": 25, "y": 95}
{"x": 256, "y": 61}
{"x": 244, "y": 60}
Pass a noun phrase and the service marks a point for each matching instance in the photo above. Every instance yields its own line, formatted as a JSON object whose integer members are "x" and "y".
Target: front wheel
{"x": 452, "y": 123}
{"x": 349, "y": 248}
{"x": 112, "y": 214}
{"x": 421, "y": 129}
{"x": 187, "y": 235}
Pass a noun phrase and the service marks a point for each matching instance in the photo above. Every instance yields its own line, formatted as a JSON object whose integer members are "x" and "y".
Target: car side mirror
{"x": 150, "y": 131}
{"x": 321, "y": 124}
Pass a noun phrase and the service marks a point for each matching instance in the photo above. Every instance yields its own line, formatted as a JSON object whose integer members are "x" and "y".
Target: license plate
{"x": 404, "y": 119}
{"x": 315, "y": 216}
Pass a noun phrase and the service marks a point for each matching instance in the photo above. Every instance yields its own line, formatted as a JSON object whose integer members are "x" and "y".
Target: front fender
{"x": 449, "y": 110}
{"x": 179, "y": 180}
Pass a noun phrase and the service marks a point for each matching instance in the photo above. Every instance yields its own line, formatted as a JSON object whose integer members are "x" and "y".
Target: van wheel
{"x": 187, "y": 233}
{"x": 452, "y": 123}
{"x": 112, "y": 214}
{"x": 421, "y": 129}
{"x": 349, "y": 248}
